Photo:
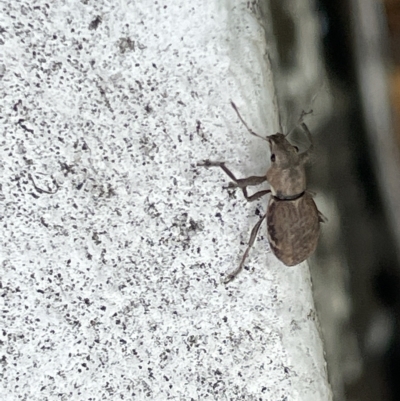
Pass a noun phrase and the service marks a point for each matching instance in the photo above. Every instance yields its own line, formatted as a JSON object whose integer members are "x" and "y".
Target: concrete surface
{"x": 114, "y": 244}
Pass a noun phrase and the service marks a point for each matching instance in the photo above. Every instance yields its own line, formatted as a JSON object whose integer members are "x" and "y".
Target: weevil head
{"x": 286, "y": 174}
{"x": 283, "y": 153}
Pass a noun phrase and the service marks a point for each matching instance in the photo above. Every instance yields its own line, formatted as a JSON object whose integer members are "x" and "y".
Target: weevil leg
{"x": 308, "y": 134}
{"x": 242, "y": 183}
{"x": 304, "y": 113}
{"x": 255, "y": 196}
{"x": 305, "y": 156}
{"x": 253, "y": 237}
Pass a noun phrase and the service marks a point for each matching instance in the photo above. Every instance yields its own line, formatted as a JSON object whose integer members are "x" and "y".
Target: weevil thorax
{"x": 286, "y": 174}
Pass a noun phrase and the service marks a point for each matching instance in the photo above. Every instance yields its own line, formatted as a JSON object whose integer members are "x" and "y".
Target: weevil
{"x": 293, "y": 220}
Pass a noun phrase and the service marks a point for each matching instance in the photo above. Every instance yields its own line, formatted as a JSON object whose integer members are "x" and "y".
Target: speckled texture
{"x": 113, "y": 242}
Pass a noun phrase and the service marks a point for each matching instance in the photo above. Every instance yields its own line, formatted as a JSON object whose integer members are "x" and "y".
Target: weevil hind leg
{"x": 253, "y": 237}
{"x": 241, "y": 183}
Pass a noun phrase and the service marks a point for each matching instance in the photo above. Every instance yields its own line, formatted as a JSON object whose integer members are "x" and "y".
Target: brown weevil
{"x": 293, "y": 220}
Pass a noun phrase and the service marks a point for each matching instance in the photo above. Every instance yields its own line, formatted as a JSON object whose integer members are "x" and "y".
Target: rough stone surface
{"x": 113, "y": 241}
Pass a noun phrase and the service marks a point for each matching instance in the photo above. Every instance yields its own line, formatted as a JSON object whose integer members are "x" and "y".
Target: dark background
{"x": 369, "y": 247}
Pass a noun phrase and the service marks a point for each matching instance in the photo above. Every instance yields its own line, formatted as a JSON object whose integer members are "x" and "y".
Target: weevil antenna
{"x": 286, "y": 135}
{"x": 244, "y": 123}
{"x": 300, "y": 122}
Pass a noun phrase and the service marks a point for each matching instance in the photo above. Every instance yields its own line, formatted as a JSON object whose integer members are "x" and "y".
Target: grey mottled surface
{"x": 113, "y": 242}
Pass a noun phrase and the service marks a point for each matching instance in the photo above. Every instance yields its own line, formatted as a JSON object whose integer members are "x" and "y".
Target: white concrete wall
{"x": 111, "y": 287}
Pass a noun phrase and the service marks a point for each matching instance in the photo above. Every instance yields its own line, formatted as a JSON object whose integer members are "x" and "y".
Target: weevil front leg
{"x": 310, "y": 149}
{"x": 242, "y": 183}
{"x": 305, "y": 156}
{"x": 253, "y": 237}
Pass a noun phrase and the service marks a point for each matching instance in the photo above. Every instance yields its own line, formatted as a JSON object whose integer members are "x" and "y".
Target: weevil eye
{"x": 273, "y": 157}
{"x": 296, "y": 149}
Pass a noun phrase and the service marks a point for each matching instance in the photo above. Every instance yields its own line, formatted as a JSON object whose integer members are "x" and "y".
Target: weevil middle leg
{"x": 241, "y": 183}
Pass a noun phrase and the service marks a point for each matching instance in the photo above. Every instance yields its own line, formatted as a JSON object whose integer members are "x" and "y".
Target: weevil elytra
{"x": 293, "y": 220}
